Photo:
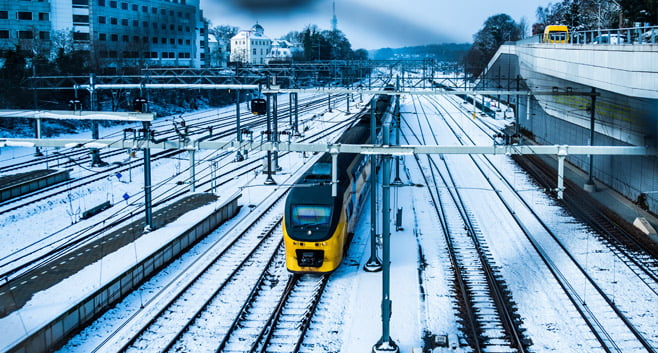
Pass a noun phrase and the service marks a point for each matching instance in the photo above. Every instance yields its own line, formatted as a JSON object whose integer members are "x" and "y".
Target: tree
{"x": 497, "y": 29}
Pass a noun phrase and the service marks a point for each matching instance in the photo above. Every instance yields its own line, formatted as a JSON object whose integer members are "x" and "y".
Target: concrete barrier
{"x": 19, "y": 189}
{"x": 54, "y": 334}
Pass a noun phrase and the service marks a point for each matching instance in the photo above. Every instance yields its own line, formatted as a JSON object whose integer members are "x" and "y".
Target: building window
{"x": 113, "y": 20}
{"x": 180, "y": 28}
{"x": 145, "y": 24}
{"x": 187, "y": 42}
{"x": 155, "y": 25}
{"x": 254, "y": 51}
{"x": 124, "y": 21}
{"x": 4, "y": 15}
{"x": 125, "y": 38}
{"x": 80, "y": 36}
{"x": 113, "y": 54}
{"x": 101, "y": 2}
{"x": 43, "y": 16}
{"x": 24, "y": 16}
{"x": 113, "y": 4}
{"x": 135, "y": 7}
{"x": 136, "y": 39}
{"x": 135, "y": 23}
{"x": 154, "y": 54}
{"x": 114, "y": 37}
{"x": 145, "y": 39}
{"x": 180, "y": 14}
{"x": 101, "y": 19}
{"x": 172, "y": 41}
{"x": 202, "y": 43}
{"x": 80, "y": 3}
{"x": 44, "y": 35}
{"x": 25, "y": 35}
{"x": 80, "y": 19}
{"x": 145, "y": 9}
{"x": 4, "y": 34}
{"x": 171, "y": 27}
{"x": 171, "y": 13}
{"x": 164, "y": 26}
{"x": 124, "y": 6}
{"x": 102, "y": 36}
{"x": 154, "y": 40}
{"x": 180, "y": 41}
{"x": 163, "y": 40}
{"x": 163, "y": 12}
{"x": 154, "y": 10}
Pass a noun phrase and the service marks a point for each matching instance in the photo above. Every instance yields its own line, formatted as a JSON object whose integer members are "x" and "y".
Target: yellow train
{"x": 317, "y": 227}
{"x": 556, "y": 34}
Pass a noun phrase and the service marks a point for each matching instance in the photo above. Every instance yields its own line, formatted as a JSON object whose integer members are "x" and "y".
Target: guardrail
{"x": 634, "y": 35}
{"x": 615, "y": 36}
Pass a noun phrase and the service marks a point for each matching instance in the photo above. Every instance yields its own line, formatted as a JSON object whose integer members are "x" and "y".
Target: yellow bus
{"x": 556, "y": 34}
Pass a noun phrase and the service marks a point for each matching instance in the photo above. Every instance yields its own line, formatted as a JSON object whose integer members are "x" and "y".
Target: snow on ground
{"x": 350, "y": 319}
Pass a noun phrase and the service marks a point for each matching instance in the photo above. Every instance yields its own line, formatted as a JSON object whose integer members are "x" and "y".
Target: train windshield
{"x": 310, "y": 215}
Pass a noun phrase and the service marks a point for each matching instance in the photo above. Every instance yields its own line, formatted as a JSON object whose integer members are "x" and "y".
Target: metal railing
{"x": 634, "y": 35}
{"x": 616, "y": 36}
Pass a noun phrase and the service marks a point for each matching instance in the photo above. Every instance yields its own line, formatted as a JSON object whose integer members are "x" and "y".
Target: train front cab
{"x": 556, "y": 34}
{"x": 321, "y": 256}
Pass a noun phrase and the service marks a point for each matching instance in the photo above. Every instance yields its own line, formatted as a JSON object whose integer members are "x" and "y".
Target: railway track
{"x": 206, "y": 181}
{"x": 598, "y": 309}
{"x": 625, "y": 242}
{"x": 486, "y": 304}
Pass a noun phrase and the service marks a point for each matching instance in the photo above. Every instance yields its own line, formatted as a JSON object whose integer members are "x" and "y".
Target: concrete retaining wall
{"x": 56, "y": 332}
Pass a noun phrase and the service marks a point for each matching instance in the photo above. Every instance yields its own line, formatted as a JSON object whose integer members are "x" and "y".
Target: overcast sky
{"x": 372, "y": 24}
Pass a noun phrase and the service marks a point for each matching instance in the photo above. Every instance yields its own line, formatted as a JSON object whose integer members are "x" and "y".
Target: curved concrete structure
{"x": 625, "y": 78}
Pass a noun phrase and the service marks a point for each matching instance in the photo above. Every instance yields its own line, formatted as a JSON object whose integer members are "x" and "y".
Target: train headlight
{"x": 309, "y": 232}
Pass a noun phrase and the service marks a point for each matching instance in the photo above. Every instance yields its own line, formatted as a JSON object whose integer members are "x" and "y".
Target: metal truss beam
{"x": 76, "y": 115}
{"x": 234, "y": 145}
{"x": 168, "y": 86}
{"x": 425, "y": 92}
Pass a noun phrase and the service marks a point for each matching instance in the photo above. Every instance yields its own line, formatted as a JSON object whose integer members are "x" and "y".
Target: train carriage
{"x": 317, "y": 227}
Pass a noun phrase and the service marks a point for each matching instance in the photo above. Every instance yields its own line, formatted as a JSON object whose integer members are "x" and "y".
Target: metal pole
{"x": 527, "y": 107}
{"x": 37, "y": 151}
{"x": 147, "y": 182}
{"x": 560, "y": 173}
{"x": 275, "y": 129}
{"x": 348, "y": 103}
{"x": 589, "y": 185}
{"x": 386, "y": 343}
{"x": 238, "y": 156}
{"x": 95, "y": 155}
{"x": 192, "y": 172}
{"x": 290, "y": 112}
{"x": 334, "y": 174}
{"x": 397, "y": 121}
{"x": 374, "y": 264}
{"x": 296, "y": 125}
{"x": 269, "y": 180}
{"x": 517, "y": 128}
{"x": 330, "y": 103}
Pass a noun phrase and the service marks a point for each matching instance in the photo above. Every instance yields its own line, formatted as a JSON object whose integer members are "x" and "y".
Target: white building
{"x": 250, "y": 46}
{"x": 281, "y": 52}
